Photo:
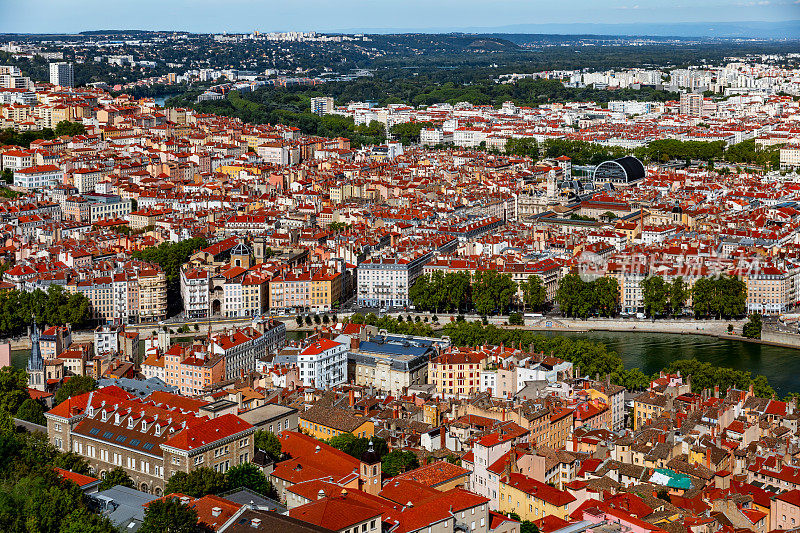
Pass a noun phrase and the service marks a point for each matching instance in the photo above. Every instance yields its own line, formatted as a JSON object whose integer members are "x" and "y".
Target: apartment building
{"x": 37, "y": 177}
{"x": 322, "y": 105}
{"x": 314, "y": 289}
{"x": 138, "y": 295}
{"x": 240, "y": 348}
{"x": 457, "y": 371}
{"x": 533, "y": 500}
{"x": 152, "y": 295}
{"x": 195, "y": 283}
{"x": 110, "y": 429}
{"x": 62, "y": 74}
{"x": 323, "y": 364}
{"x": 384, "y": 282}
{"x": 768, "y": 291}
{"x": 790, "y": 156}
{"x": 193, "y": 369}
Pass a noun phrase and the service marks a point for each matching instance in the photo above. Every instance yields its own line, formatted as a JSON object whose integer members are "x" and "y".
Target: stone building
{"x": 150, "y": 441}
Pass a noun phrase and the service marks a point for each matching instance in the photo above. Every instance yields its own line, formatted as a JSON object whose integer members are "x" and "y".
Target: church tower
{"x": 35, "y": 362}
{"x": 370, "y": 471}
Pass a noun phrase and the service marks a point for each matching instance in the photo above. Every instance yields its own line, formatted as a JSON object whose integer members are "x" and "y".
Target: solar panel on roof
{"x": 108, "y": 435}
{"x": 94, "y": 431}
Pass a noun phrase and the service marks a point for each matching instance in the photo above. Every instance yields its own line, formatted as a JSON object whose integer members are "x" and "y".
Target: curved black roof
{"x": 633, "y": 167}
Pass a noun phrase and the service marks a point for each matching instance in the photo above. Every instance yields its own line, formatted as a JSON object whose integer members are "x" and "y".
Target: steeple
{"x": 35, "y": 361}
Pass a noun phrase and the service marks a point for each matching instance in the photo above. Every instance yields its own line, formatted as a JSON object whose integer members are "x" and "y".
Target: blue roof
{"x": 393, "y": 348}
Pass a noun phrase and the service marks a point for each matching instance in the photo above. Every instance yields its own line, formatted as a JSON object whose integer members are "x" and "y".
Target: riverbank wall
{"x": 684, "y": 327}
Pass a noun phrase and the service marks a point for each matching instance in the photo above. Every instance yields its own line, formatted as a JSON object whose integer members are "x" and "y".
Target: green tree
{"x": 398, "y": 461}
{"x": 13, "y": 390}
{"x": 534, "y": 295}
{"x": 731, "y": 296}
{"x": 65, "y": 127}
{"x": 269, "y": 442}
{"x": 575, "y": 296}
{"x": 71, "y": 461}
{"x": 75, "y": 386}
{"x": 655, "y": 295}
{"x": 523, "y": 147}
{"x": 492, "y": 291}
{"x": 251, "y": 477}
{"x": 526, "y": 526}
{"x": 83, "y": 521}
{"x": 408, "y": 132}
{"x": 752, "y": 328}
{"x": 196, "y": 483}
{"x": 678, "y": 294}
{"x": 32, "y": 411}
{"x": 515, "y": 319}
{"x": 606, "y": 291}
{"x": 633, "y": 379}
{"x": 703, "y": 299}
{"x": 8, "y": 176}
{"x": 169, "y": 515}
{"x": 117, "y": 476}
{"x": 357, "y": 446}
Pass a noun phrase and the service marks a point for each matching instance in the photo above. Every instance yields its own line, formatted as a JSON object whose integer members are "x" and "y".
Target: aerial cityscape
{"x": 505, "y": 267}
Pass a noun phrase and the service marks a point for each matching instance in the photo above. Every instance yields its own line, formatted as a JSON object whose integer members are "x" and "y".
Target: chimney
{"x": 216, "y": 511}
{"x": 395, "y": 412}
{"x": 443, "y": 437}
{"x": 352, "y": 397}
{"x": 366, "y": 410}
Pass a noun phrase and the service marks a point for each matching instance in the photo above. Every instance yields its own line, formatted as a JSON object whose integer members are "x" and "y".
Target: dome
{"x": 240, "y": 249}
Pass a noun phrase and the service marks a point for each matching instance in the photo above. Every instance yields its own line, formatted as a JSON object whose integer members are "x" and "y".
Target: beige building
{"x": 152, "y": 295}
{"x": 150, "y": 442}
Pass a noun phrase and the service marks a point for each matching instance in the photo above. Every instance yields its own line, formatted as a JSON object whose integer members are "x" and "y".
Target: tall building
{"x": 691, "y": 104}
{"x": 61, "y": 74}
{"x": 321, "y": 105}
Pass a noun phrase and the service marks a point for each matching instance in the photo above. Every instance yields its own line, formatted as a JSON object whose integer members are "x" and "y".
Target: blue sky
{"x": 66, "y": 16}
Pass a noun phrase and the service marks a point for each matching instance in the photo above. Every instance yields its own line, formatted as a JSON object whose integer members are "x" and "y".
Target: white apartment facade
{"x": 323, "y": 364}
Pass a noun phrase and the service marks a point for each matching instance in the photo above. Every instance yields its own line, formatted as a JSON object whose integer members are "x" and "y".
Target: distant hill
{"x": 787, "y": 29}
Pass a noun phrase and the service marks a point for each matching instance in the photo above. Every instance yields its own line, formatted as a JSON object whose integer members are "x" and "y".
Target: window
{"x": 108, "y": 435}
{"x": 94, "y": 431}
{"x": 134, "y": 442}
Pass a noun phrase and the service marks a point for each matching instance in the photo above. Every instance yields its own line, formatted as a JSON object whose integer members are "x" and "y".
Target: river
{"x": 653, "y": 351}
